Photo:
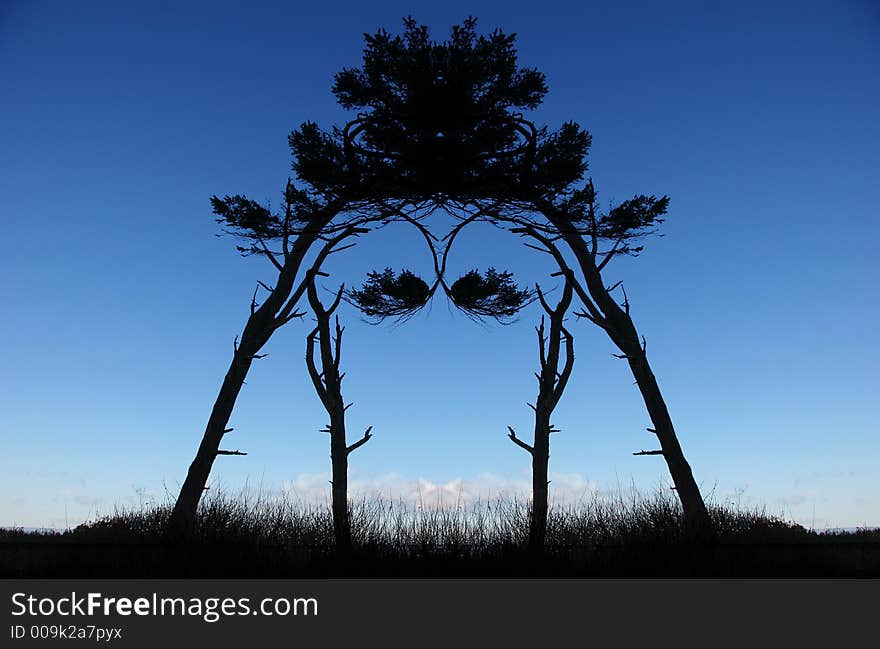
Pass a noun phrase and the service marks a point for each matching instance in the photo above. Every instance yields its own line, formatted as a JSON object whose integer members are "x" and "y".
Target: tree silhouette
{"x": 284, "y": 239}
{"x": 438, "y": 121}
{"x": 577, "y": 222}
{"x": 440, "y": 124}
{"x": 328, "y": 384}
{"x": 551, "y": 384}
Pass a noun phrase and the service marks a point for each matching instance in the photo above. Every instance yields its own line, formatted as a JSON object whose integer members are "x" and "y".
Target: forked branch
{"x": 363, "y": 440}
{"x": 516, "y": 440}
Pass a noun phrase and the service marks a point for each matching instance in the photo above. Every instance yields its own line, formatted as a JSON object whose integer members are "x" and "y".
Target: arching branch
{"x": 287, "y": 313}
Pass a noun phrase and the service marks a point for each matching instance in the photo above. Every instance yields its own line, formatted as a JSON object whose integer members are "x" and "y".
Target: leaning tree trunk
{"x": 184, "y": 512}
{"x": 261, "y": 324}
{"x": 696, "y": 515}
{"x": 614, "y": 318}
{"x": 620, "y": 328}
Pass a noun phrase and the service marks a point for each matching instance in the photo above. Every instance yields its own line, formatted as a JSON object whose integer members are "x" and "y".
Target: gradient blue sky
{"x": 120, "y": 119}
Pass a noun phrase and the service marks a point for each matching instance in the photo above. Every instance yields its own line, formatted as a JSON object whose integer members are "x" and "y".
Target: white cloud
{"x": 314, "y": 488}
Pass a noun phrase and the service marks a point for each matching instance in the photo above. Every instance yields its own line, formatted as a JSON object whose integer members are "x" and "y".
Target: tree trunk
{"x": 540, "y": 462}
{"x": 328, "y": 385}
{"x": 551, "y": 384}
{"x": 259, "y": 328}
{"x": 339, "y": 459}
{"x": 620, "y": 328}
{"x": 184, "y": 512}
{"x": 696, "y": 517}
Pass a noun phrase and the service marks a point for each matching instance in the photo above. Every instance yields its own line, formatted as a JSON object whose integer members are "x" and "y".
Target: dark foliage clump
{"x": 387, "y": 294}
{"x": 638, "y": 214}
{"x": 493, "y": 295}
{"x": 258, "y": 225}
{"x": 560, "y": 160}
{"x": 622, "y": 225}
{"x": 247, "y": 217}
{"x": 319, "y": 160}
{"x": 478, "y": 73}
{"x": 437, "y": 117}
{"x": 439, "y": 120}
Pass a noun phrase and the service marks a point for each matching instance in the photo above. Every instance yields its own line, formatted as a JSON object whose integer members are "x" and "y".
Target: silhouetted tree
{"x": 284, "y": 239}
{"x": 576, "y": 221}
{"x": 439, "y": 121}
{"x": 551, "y": 384}
{"x": 439, "y": 124}
{"x": 328, "y": 384}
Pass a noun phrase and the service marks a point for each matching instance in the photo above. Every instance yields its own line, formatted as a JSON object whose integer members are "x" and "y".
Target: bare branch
{"x": 338, "y": 341}
{"x": 608, "y": 256}
{"x": 584, "y": 314}
{"x": 271, "y": 257}
{"x": 336, "y": 301}
{"x": 531, "y": 230}
{"x": 292, "y": 316}
{"x": 254, "y": 300}
{"x": 543, "y": 302}
{"x": 516, "y": 440}
{"x": 649, "y": 453}
{"x": 340, "y": 249}
{"x": 235, "y": 452}
{"x": 541, "y": 344}
{"x": 313, "y": 370}
{"x": 566, "y": 370}
{"x": 363, "y": 440}
{"x": 284, "y": 314}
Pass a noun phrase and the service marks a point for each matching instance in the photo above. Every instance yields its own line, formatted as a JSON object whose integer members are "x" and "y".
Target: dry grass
{"x": 257, "y": 535}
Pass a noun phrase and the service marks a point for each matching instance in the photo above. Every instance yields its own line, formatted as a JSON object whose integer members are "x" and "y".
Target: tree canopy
{"x": 438, "y": 121}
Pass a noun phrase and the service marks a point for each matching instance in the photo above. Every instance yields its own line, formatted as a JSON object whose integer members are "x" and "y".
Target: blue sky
{"x": 120, "y": 305}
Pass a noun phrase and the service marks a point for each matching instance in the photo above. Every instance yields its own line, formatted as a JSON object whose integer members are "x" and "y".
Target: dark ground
{"x": 38, "y": 558}
{"x": 271, "y": 538}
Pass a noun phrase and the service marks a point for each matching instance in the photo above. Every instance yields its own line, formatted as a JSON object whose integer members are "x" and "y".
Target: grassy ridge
{"x": 262, "y": 536}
